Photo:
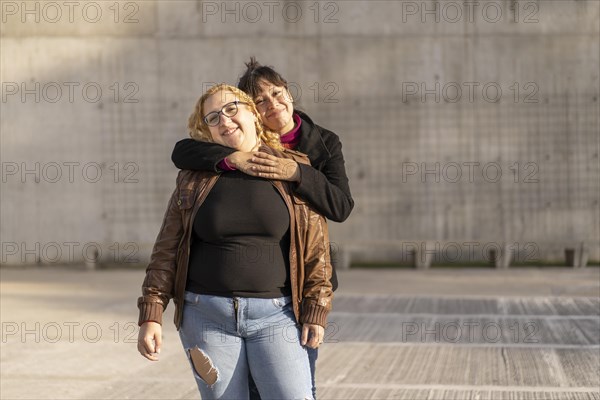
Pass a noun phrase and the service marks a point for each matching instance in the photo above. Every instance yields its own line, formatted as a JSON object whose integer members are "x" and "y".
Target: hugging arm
{"x": 326, "y": 188}
{"x": 199, "y": 156}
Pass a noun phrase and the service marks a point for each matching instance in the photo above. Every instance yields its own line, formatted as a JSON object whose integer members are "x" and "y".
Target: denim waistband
{"x": 192, "y": 297}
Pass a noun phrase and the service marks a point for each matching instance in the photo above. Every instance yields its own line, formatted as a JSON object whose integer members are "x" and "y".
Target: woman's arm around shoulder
{"x": 200, "y": 156}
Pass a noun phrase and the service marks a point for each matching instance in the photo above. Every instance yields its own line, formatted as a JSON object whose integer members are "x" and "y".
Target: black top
{"x": 241, "y": 240}
{"x": 324, "y": 185}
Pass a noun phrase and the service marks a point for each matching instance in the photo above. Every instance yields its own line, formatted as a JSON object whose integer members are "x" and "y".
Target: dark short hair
{"x": 255, "y": 72}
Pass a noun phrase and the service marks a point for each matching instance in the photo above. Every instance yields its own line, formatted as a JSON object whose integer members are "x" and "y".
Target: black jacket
{"x": 324, "y": 185}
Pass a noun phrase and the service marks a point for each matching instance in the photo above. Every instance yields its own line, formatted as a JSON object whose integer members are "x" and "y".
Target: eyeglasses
{"x": 229, "y": 110}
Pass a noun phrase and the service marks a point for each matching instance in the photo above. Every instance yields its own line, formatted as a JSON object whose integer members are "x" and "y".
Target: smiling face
{"x": 274, "y": 103}
{"x": 238, "y": 131}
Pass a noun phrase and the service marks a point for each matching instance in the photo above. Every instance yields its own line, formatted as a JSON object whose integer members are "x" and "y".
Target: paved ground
{"x": 395, "y": 334}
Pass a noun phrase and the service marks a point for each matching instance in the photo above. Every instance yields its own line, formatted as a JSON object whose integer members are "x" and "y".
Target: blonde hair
{"x": 200, "y": 131}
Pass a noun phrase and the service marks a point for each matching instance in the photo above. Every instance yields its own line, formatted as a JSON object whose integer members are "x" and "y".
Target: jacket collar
{"x": 311, "y": 140}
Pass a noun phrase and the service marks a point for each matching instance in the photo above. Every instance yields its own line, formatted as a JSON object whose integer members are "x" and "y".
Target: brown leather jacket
{"x": 310, "y": 265}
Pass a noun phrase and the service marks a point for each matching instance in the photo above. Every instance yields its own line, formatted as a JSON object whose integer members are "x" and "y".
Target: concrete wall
{"x": 465, "y": 125}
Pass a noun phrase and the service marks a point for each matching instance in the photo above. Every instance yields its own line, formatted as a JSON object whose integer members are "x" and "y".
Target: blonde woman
{"x": 246, "y": 263}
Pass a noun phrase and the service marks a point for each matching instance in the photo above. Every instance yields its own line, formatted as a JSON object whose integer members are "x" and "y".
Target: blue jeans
{"x": 230, "y": 338}
{"x": 313, "y": 354}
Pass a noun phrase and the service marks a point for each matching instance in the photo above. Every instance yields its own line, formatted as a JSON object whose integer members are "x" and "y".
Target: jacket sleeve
{"x": 327, "y": 190}
{"x": 158, "y": 286}
{"x": 317, "y": 291}
{"x": 199, "y": 156}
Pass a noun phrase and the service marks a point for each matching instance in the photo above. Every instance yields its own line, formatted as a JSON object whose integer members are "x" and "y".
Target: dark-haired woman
{"x": 323, "y": 184}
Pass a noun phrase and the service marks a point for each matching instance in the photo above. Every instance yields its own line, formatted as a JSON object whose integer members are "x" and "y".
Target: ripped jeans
{"x": 226, "y": 338}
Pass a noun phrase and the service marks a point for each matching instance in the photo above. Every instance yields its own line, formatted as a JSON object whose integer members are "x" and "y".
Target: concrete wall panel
{"x": 429, "y": 113}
